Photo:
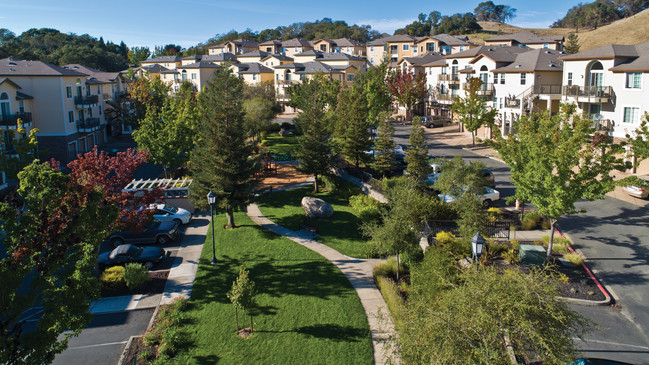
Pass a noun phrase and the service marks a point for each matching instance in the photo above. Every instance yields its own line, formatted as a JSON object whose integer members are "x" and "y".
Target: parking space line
{"x": 98, "y": 345}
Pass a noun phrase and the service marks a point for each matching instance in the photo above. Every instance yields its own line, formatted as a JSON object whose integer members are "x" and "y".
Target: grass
{"x": 283, "y": 145}
{"x": 308, "y": 311}
{"x": 340, "y": 232}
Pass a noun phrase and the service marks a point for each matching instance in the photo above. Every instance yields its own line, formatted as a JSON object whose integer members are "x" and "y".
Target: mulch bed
{"x": 155, "y": 286}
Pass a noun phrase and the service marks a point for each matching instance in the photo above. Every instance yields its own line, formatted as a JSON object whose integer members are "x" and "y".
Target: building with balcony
{"x": 272, "y": 47}
{"x": 253, "y": 73}
{"x": 236, "y": 47}
{"x": 340, "y": 45}
{"x": 441, "y": 43}
{"x": 168, "y": 62}
{"x": 527, "y": 39}
{"x": 375, "y": 51}
{"x": 609, "y": 84}
{"x": 197, "y": 73}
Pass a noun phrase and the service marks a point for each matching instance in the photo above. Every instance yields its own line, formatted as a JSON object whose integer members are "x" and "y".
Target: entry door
{"x": 596, "y": 79}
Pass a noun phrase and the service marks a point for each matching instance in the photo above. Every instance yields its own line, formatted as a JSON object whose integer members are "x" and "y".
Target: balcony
{"x": 86, "y": 101}
{"x": 445, "y": 98}
{"x": 287, "y": 82}
{"x": 10, "y": 121}
{"x": 452, "y": 78}
{"x": 588, "y": 94}
{"x": 547, "y": 89}
{"x": 88, "y": 125}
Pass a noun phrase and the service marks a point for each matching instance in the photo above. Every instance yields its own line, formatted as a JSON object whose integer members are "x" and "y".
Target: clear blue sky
{"x": 187, "y": 22}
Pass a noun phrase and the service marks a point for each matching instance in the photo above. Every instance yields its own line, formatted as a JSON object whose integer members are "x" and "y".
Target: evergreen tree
{"x": 351, "y": 128}
{"x": 572, "y": 44}
{"x": 223, "y": 160}
{"x": 384, "y": 146}
{"x": 417, "y": 159}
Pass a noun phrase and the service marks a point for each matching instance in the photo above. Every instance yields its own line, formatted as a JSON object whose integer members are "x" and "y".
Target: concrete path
{"x": 359, "y": 273}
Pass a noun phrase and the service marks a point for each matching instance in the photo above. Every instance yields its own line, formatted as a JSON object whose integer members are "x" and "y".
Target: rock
{"x": 316, "y": 208}
{"x": 284, "y": 132}
{"x": 466, "y": 263}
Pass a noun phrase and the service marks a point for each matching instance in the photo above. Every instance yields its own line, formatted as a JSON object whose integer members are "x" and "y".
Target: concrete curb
{"x": 122, "y": 358}
{"x": 609, "y": 299}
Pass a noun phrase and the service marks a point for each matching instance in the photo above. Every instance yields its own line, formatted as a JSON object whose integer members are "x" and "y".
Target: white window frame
{"x": 70, "y": 114}
{"x": 569, "y": 81}
{"x": 69, "y": 95}
{"x": 635, "y": 74}
{"x": 636, "y": 117}
{"x": 523, "y": 78}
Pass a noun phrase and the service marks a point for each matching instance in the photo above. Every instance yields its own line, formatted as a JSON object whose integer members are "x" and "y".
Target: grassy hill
{"x": 631, "y": 30}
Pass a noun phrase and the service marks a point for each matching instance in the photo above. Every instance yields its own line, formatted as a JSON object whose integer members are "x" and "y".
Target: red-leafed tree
{"x": 407, "y": 89}
{"x": 51, "y": 228}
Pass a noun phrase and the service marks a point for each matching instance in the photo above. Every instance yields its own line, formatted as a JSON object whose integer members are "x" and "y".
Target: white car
{"x": 166, "y": 212}
{"x": 488, "y": 196}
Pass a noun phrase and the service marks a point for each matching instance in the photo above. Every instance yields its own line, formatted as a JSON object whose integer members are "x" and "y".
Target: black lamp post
{"x": 211, "y": 199}
{"x": 477, "y": 245}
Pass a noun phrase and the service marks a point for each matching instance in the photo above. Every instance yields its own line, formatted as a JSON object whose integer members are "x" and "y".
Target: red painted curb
{"x": 590, "y": 273}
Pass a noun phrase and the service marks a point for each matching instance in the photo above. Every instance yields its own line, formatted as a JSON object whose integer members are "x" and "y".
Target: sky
{"x": 188, "y": 22}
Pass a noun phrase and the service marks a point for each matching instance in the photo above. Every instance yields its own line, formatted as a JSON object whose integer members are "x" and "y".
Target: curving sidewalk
{"x": 359, "y": 273}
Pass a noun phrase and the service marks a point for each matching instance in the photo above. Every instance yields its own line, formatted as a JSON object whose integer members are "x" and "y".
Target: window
{"x": 193, "y": 75}
{"x": 523, "y": 76}
{"x": 68, "y": 92}
{"x": 495, "y": 102}
{"x": 414, "y": 50}
{"x": 100, "y": 110}
{"x": 495, "y": 78}
{"x": 371, "y": 59}
{"x": 296, "y": 49}
{"x": 371, "y": 48}
{"x": 569, "y": 78}
{"x": 89, "y": 112}
{"x": 98, "y": 90}
{"x": 545, "y": 45}
{"x": 502, "y": 79}
{"x": 631, "y": 114}
{"x": 21, "y": 106}
{"x": 254, "y": 77}
{"x": 350, "y": 77}
{"x": 347, "y": 49}
{"x": 87, "y": 90}
{"x": 461, "y": 48}
{"x": 633, "y": 80}
{"x": 71, "y": 116}
{"x": 501, "y": 103}
{"x": 406, "y": 47}
{"x": 444, "y": 70}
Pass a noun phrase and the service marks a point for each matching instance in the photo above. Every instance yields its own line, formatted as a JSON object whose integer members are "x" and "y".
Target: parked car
{"x": 432, "y": 121}
{"x": 155, "y": 232}
{"x": 488, "y": 175}
{"x": 148, "y": 256}
{"x": 487, "y": 197}
{"x": 639, "y": 190}
{"x": 166, "y": 212}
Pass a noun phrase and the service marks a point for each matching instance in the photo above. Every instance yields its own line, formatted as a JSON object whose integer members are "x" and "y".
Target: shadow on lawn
{"x": 333, "y": 332}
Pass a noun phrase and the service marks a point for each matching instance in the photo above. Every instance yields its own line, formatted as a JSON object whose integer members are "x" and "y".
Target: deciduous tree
{"x": 472, "y": 110}
{"x": 138, "y": 54}
{"x": 407, "y": 89}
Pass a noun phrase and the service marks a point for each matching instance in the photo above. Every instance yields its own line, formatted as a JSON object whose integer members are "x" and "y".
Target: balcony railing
{"x": 484, "y": 90}
{"x": 590, "y": 92}
{"x": 287, "y": 82}
{"x": 444, "y": 97}
{"x": 84, "y": 101}
{"x": 88, "y": 125}
{"x": 448, "y": 77}
{"x": 547, "y": 89}
{"x": 12, "y": 119}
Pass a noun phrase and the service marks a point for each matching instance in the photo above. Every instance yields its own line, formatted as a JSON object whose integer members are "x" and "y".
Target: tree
{"x": 314, "y": 97}
{"x": 384, "y": 146}
{"x": 490, "y": 12}
{"x": 168, "y": 133}
{"x": 138, "y": 54}
{"x": 554, "y": 164}
{"x": 407, "y": 88}
{"x": 223, "y": 160}
{"x": 485, "y": 316}
{"x": 146, "y": 93}
{"x": 572, "y": 44}
{"x": 351, "y": 130}
{"x": 458, "y": 24}
{"x": 639, "y": 141}
{"x": 260, "y": 107}
{"x": 471, "y": 110}
{"x": 167, "y": 50}
{"x": 376, "y": 91}
{"x": 242, "y": 295}
{"x": 53, "y": 226}
{"x": 417, "y": 159}
{"x": 26, "y": 148}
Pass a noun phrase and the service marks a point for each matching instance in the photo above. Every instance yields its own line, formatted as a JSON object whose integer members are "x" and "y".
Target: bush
{"x": 287, "y": 126}
{"x": 545, "y": 224}
{"x": 362, "y": 202}
{"x": 575, "y": 258}
{"x": 169, "y": 317}
{"x": 135, "y": 275}
{"x": 496, "y": 248}
{"x": 445, "y": 238}
{"x": 392, "y": 296}
{"x": 339, "y": 187}
{"x": 494, "y": 214}
{"x": 388, "y": 269}
{"x": 275, "y": 127}
{"x": 459, "y": 248}
{"x": 511, "y": 256}
{"x": 515, "y": 244}
{"x": 560, "y": 244}
{"x": 530, "y": 221}
{"x": 113, "y": 278}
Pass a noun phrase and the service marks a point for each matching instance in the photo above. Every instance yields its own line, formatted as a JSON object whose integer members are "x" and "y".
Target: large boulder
{"x": 316, "y": 208}
{"x": 284, "y": 132}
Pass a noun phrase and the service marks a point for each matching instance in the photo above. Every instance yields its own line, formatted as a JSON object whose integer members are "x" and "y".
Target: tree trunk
{"x": 252, "y": 327}
{"x": 551, "y": 240}
{"x": 315, "y": 184}
{"x": 229, "y": 213}
{"x": 473, "y": 137}
{"x": 236, "y": 317}
{"x": 397, "y": 267}
{"x": 165, "y": 171}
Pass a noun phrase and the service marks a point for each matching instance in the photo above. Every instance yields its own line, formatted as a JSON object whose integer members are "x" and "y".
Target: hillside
{"x": 631, "y": 30}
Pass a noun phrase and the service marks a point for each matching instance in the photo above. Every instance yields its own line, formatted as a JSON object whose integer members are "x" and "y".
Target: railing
{"x": 448, "y": 77}
{"x": 499, "y": 229}
{"x": 484, "y": 90}
{"x": 588, "y": 91}
{"x": 444, "y": 97}
{"x": 86, "y": 100}
{"x": 12, "y": 119}
{"x": 287, "y": 82}
{"x": 547, "y": 89}
{"x": 88, "y": 125}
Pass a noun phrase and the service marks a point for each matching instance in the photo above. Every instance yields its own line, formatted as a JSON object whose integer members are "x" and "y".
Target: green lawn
{"x": 340, "y": 232}
{"x": 282, "y": 145}
{"x": 309, "y": 312}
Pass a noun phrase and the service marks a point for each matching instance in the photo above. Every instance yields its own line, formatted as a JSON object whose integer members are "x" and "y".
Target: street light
{"x": 211, "y": 199}
{"x": 477, "y": 244}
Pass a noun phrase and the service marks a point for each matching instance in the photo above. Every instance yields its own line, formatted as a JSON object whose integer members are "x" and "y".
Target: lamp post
{"x": 477, "y": 245}
{"x": 211, "y": 199}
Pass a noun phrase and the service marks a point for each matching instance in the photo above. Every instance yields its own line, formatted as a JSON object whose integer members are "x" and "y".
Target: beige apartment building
{"x": 197, "y": 73}
{"x": 403, "y": 45}
{"x": 253, "y": 73}
{"x": 294, "y": 46}
{"x": 526, "y": 39}
{"x": 168, "y": 62}
{"x": 236, "y": 47}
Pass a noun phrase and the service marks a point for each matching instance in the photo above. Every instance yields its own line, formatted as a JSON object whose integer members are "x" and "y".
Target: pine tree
{"x": 351, "y": 127}
{"x": 572, "y": 44}
{"x": 384, "y": 148}
{"x": 417, "y": 158}
{"x": 223, "y": 160}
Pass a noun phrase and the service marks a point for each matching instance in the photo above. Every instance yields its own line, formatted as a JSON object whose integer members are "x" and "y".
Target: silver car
{"x": 640, "y": 190}
{"x": 166, "y": 212}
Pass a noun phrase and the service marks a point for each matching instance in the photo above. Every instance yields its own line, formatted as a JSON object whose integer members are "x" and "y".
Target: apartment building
{"x": 293, "y": 73}
{"x": 526, "y": 39}
{"x": 375, "y": 51}
{"x": 62, "y": 103}
{"x": 168, "y": 62}
{"x": 236, "y": 47}
{"x": 399, "y": 46}
{"x": 273, "y": 60}
{"x": 340, "y": 45}
{"x": 197, "y": 73}
{"x": 253, "y": 73}
{"x": 609, "y": 83}
{"x": 15, "y": 106}
{"x": 294, "y": 46}
{"x": 273, "y": 46}
{"x": 254, "y": 56}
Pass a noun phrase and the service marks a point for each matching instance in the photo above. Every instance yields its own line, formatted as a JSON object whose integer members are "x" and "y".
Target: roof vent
{"x": 518, "y": 66}
{"x": 553, "y": 65}
{"x": 548, "y": 52}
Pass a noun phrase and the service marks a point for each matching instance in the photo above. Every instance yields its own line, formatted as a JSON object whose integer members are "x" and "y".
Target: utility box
{"x": 532, "y": 255}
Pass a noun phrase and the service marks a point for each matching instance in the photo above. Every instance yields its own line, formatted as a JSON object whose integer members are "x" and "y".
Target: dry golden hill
{"x": 632, "y": 30}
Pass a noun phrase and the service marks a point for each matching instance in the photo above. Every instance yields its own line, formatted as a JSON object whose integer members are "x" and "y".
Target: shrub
{"x": 135, "y": 275}
{"x": 575, "y": 258}
{"x": 113, "y": 278}
{"x": 361, "y": 202}
{"x": 545, "y": 224}
{"x": 511, "y": 256}
{"x": 388, "y": 269}
{"x": 392, "y": 296}
{"x": 275, "y": 127}
{"x": 286, "y": 125}
{"x": 494, "y": 214}
{"x": 168, "y": 318}
{"x": 496, "y": 248}
{"x": 445, "y": 238}
{"x": 515, "y": 244}
{"x": 530, "y": 221}
{"x": 459, "y": 248}
{"x": 563, "y": 278}
{"x": 339, "y": 187}
{"x": 560, "y": 244}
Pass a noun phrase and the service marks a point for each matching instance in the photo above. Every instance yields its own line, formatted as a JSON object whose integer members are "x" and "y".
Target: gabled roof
{"x": 17, "y": 67}
{"x": 438, "y": 63}
{"x": 378, "y": 42}
{"x": 526, "y": 38}
{"x": 311, "y": 52}
{"x": 296, "y": 42}
{"x": 22, "y": 96}
{"x": 280, "y": 57}
{"x": 96, "y": 77}
{"x": 639, "y": 64}
{"x": 272, "y": 42}
{"x": 309, "y": 67}
{"x": 400, "y": 38}
{"x": 216, "y": 46}
{"x": 154, "y": 68}
{"x": 338, "y": 56}
{"x": 244, "y": 43}
{"x": 221, "y": 57}
{"x": 421, "y": 60}
{"x": 257, "y": 53}
{"x": 163, "y": 59}
{"x": 346, "y": 42}
{"x": 201, "y": 64}
{"x": 497, "y": 53}
{"x": 449, "y": 40}
{"x": 194, "y": 57}
{"x": 535, "y": 60}
{"x": 253, "y": 68}
{"x": 9, "y": 82}
{"x": 609, "y": 51}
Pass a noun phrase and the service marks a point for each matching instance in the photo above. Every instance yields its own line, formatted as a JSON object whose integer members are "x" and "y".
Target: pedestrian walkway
{"x": 359, "y": 273}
